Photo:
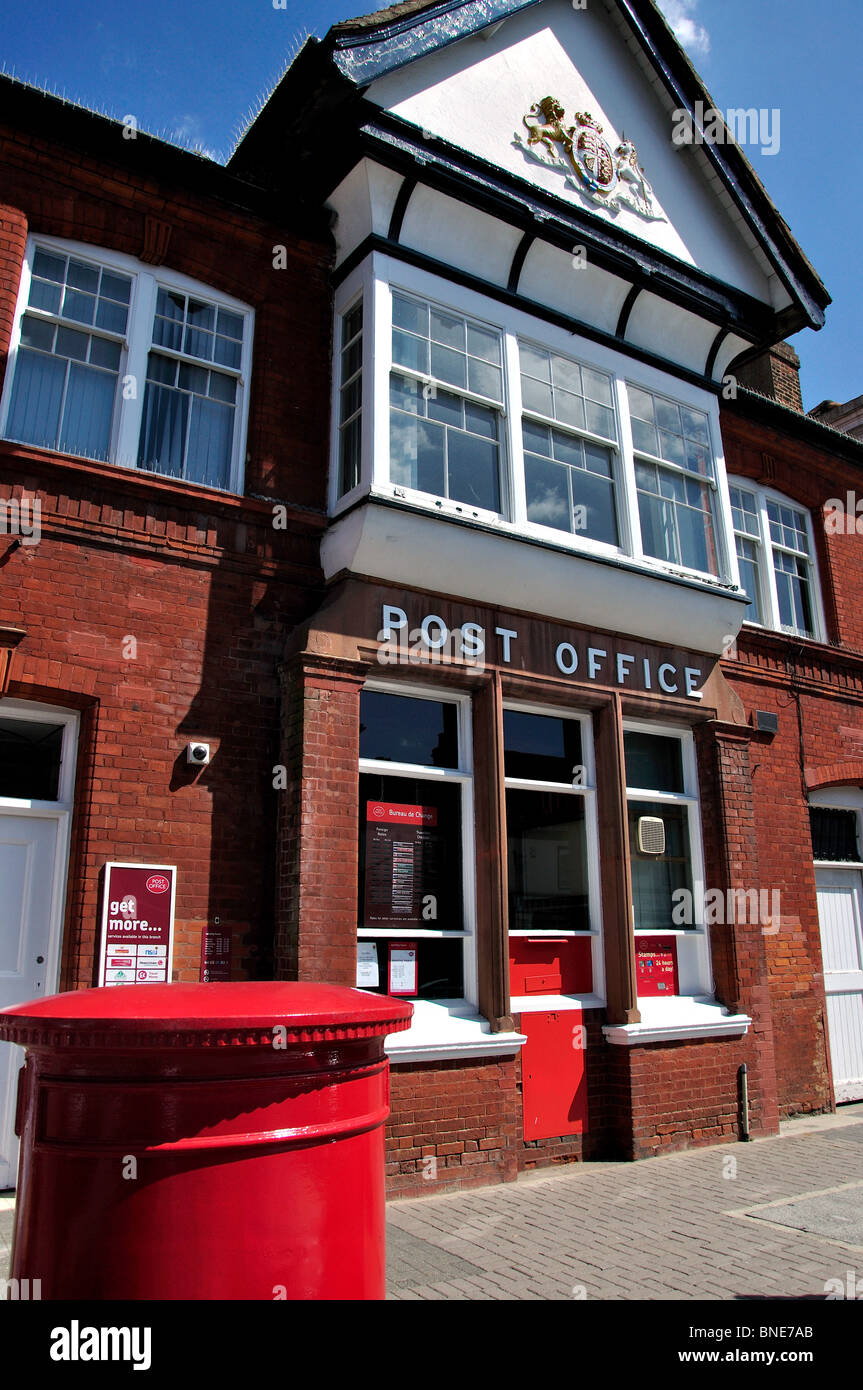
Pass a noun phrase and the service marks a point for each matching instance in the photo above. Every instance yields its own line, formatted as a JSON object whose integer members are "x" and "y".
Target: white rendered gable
{"x": 475, "y": 93}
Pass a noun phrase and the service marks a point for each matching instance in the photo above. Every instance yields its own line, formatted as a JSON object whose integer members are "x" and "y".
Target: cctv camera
{"x": 198, "y": 754}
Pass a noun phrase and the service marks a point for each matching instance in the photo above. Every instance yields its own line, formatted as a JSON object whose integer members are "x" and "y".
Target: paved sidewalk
{"x": 774, "y": 1219}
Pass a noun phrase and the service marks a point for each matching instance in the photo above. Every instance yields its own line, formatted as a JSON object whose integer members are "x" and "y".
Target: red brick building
{"x": 440, "y": 467}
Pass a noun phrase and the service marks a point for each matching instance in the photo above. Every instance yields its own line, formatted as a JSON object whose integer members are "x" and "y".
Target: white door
{"x": 28, "y": 856}
{"x": 840, "y": 913}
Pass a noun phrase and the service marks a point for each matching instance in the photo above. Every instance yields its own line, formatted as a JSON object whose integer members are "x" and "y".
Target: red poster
{"x": 137, "y": 924}
{"x": 404, "y": 858}
{"x": 656, "y": 965}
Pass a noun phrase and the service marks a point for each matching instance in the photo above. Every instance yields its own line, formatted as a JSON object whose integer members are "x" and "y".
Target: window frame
{"x": 588, "y": 792}
{"x": 136, "y": 345}
{"x": 463, "y": 777}
{"x": 841, "y": 798}
{"x": 694, "y": 962}
{"x": 768, "y": 590}
{"x": 720, "y": 539}
{"x": 380, "y": 274}
{"x": 448, "y": 505}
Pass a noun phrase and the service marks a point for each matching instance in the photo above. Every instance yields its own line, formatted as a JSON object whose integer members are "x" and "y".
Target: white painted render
{"x": 398, "y": 546}
{"x": 474, "y": 93}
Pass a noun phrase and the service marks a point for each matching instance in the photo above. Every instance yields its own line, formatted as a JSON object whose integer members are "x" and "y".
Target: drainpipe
{"x": 743, "y": 1077}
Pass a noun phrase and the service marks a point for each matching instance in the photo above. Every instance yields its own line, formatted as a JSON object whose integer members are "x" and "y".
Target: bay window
{"x": 776, "y": 557}
{"x": 114, "y": 361}
{"x": 478, "y": 410}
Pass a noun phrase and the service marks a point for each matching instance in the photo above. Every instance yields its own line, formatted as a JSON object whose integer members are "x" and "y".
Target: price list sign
{"x": 404, "y": 856}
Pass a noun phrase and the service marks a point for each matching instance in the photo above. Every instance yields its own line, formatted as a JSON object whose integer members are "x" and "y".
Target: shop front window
{"x": 413, "y": 913}
{"x": 661, "y": 806}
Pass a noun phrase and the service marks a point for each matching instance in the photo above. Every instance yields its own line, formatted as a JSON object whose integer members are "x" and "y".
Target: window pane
{"x": 448, "y": 366}
{"x": 695, "y": 529}
{"x": 484, "y": 343}
{"x": 537, "y": 438}
{"x": 417, "y": 454}
{"x": 534, "y": 363}
{"x": 410, "y": 848}
{"x": 37, "y": 392}
{"x": 747, "y": 563}
{"x": 547, "y": 489}
{"x": 447, "y": 409}
{"x": 83, "y": 277}
{"x": 440, "y": 968}
{"x": 653, "y": 761}
{"x": 658, "y": 536}
{"x": 566, "y": 375}
{"x": 211, "y": 432}
{"x": 541, "y": 747}
{"x": 480, "y": 420}
{"x": 644, "y": 437}
{"x": 88, "y": 412}
{"x": 598, "y": 521}
{"x": 37, "y": 334}
{"x": 485, "y": 380}
{"x": 410, "y": 352}
{"x": 547, "y": 862}
{"x": 404, "y": 729}
{"x": 352, "y": 324}
{"x": 834, "y": 835}
{"x": 448, "y": 330}
{"x": 410, "y": 314}
{"x": 744, "y": 511}
{"x": 349, "y": 461}
{"x": 569, "y": 409}
{"x": 163, "y": 433}
{"x": 49, "y": 266}
{"x": 30, "y": 759}
{"x": 536, "y": 396}
{"x": 45, "y": 296}
{"x": 472, "y": 467}
{"x": 792, "y": 591}
{"x": 655, "y": 878}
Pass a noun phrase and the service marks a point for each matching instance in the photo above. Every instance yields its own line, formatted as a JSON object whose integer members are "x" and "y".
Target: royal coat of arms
{"x": 609, "y": 177}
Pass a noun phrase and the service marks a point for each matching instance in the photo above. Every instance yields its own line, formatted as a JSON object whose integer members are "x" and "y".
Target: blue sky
{"x": 191, "y": 70}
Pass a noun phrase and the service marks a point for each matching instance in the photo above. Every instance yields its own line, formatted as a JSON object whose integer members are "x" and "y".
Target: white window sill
{"x": 553, "y": 1003}
{"x": 443, "y": 1030}
{"x": 681, "y": 1019}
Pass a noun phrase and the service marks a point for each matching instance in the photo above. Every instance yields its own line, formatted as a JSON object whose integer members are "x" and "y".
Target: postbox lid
{"x": 238, "y": 1014}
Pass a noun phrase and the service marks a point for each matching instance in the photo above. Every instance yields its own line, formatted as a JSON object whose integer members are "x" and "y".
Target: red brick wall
{"x": 316, "y": 930}
{"x": 453, "y": 1125}
{"x": 205, "y": 584}
{"x": 816, "y": 691}
{"x": 116, "y": 562}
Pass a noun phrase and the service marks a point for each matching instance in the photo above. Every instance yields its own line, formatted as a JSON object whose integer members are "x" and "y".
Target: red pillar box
{"x": 203, "y": 1141}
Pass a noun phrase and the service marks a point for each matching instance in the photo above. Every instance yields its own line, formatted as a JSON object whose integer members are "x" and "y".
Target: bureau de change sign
{"x": 137, "y": 924}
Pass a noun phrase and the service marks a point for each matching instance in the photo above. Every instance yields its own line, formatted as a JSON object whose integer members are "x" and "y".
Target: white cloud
{"x": 187, "y": 131}
{"x": 680, "y": 15}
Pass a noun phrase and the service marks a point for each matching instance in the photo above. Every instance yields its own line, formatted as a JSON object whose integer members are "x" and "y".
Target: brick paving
{"x": 686, "y": 1226}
